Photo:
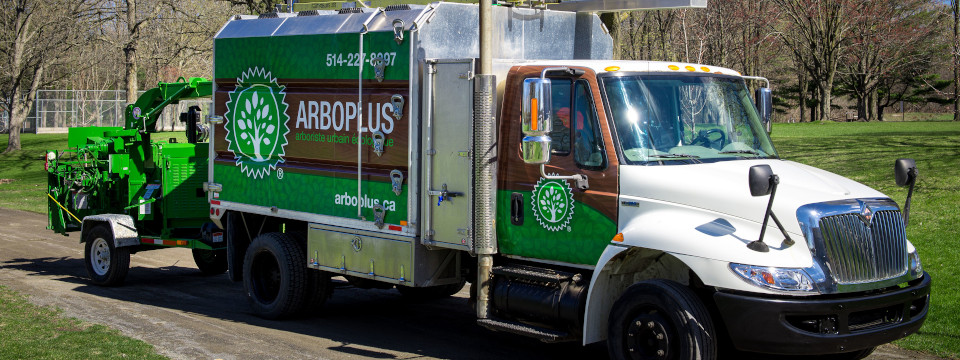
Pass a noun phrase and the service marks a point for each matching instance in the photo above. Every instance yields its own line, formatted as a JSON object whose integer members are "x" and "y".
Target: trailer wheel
{"x": 210, "y": 262}
{"x": 106, "y": 264}
{"x": 274, "y": 275}
{"x": 430, "y": 293}
{"x": 660, "y": 319}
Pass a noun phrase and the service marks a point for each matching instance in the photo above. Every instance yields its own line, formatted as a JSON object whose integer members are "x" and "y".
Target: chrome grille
{"x": 857, "y": 253}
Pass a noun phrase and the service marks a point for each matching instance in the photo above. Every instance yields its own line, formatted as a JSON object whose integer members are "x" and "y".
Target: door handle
{"x": 516, "y": 209}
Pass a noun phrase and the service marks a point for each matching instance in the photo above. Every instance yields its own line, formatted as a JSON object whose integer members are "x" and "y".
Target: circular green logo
{"x": 256, "y": 123}
{"x": 553, "y": 203}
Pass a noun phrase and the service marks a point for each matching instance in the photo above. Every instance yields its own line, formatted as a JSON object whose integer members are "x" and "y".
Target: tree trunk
{"x": 872, "y": 103}
{"x": 880, "y": 112}
{"x": 802, "y": 93}
{"x": 824, "y": 112}
{"x": 612, "y": 21}
{"x": 130, "y": 52}
{"x": 19, "y": 109}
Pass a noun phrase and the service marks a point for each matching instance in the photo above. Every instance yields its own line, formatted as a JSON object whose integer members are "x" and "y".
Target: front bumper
{"x": 823, "y": 325}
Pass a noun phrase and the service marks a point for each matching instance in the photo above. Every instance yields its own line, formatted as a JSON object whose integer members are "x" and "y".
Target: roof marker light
{"x": 705, "y": 69}
{"x": 674, "y": 67}
{"x": 612, "y": 68}
{"x": 690, "y": 68}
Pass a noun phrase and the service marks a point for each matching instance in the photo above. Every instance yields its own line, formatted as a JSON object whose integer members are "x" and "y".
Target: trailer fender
{"x": 124, "y": 232}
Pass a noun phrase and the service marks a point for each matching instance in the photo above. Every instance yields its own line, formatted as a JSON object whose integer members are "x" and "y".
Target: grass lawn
{"x": 865, "y": 152}
{"x": 36, "y": 332}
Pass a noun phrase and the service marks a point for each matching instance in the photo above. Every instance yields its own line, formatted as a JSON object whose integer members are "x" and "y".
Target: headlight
{"x": 780, "y": 279}
{"x": 915, "y": 267}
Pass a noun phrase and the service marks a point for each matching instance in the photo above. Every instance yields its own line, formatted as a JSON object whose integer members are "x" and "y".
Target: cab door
{"x": 554, "y": 220}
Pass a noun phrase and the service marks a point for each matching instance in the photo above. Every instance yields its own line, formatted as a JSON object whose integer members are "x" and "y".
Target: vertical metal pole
{"x": 484, "y": 151}
{"x": 486, "y": 33}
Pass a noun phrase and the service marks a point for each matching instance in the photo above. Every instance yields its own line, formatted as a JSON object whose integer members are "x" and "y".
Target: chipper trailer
{"x": 127, "y": 192}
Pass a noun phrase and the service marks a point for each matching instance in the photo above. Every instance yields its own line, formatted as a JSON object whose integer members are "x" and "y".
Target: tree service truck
{"x": 584, "y": 199}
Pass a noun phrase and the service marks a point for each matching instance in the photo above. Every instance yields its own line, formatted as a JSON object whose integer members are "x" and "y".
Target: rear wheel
{"x": 660, "y": 319}
{"x": 106, "y": 264}
{"x": 274, "y": 275}
{"x": 210, "y": 262}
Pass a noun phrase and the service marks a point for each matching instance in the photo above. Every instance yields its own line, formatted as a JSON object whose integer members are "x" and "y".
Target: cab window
{"x": 588, "y": 150}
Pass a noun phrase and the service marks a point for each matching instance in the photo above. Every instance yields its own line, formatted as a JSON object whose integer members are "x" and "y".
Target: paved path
{"x": 166, "y": 302}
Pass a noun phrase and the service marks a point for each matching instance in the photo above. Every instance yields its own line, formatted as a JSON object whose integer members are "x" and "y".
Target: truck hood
{"x": 722, "y": 187}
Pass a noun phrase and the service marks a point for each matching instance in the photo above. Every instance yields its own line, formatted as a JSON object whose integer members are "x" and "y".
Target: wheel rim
{"x": 648, "y": 336}
{"x": 100, "y": 256}
{"x": 266, "y": 277}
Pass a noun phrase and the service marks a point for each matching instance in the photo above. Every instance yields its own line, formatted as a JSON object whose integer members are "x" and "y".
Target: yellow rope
{"x": 64, "y": 209}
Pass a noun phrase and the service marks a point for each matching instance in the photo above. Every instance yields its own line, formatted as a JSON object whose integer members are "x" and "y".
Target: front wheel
{"x": 210, "y": 262}
{"x": 660, "y": 319}
{"x": 106, "y": 264}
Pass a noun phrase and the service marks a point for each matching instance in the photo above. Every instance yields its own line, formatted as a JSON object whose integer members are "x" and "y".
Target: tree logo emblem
{"x": 553, "y": 203}
{"x": 256, "y": 123}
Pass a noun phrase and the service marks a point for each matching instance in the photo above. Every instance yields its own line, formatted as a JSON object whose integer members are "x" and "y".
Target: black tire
{"x": 210, "y": 262}
{"x": 660, "y": 315}
{"x": 274, "y": 276}
{"x": 319, "y": 289}
{"x": 106, "y": 264}
{"x": 430, "y": 293}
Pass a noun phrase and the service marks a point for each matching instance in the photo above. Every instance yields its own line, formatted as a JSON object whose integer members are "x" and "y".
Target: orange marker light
{"x": 618, "y": 237}
{"x": 674, "y": 67}
{"x": 612, "y": 68}
{"x": 403, "y": 223}
{"x": 533, "y": 114}
{"x": 705, "y": 69}
{"x": 690, "y": 68}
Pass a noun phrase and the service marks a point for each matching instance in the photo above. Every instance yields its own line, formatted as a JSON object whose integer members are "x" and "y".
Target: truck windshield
{"x": 678, "y": 119}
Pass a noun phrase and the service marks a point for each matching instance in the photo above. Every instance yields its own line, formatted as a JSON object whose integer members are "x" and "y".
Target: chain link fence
{"x": 57, "y": 110}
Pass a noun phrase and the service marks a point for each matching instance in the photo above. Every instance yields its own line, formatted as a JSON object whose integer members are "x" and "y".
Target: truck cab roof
{"x": 607, "y": 66}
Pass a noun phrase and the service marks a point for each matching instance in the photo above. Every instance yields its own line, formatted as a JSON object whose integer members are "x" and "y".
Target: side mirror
{"x": 536, "y": 121}
{"x": 765, "y": 107}
{"x": 764, "y": 182}
{"x": 905, "y": 173}
{"x": 759, "y": 179}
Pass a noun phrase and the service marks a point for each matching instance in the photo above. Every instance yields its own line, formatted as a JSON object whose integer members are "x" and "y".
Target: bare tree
{"x": 886, "y": 36}
{"x": 817, "y": 31}
{"x": 35, "y": 39}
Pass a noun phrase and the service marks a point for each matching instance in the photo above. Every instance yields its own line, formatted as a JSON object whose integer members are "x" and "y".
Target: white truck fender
{"x": 124, "y": 232}
{"x": 599, "y": 302}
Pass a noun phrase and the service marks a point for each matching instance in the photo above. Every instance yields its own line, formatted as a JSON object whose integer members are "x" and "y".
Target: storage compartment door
{"x": 448, "y": 153}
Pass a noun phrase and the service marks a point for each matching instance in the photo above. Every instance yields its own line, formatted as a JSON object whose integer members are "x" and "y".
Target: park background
{"x": 856, "y": 85}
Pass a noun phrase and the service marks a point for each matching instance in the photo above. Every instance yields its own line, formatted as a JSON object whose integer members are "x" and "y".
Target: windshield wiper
{"x": 676, "y": 156}
{"x": 741, "y": 152}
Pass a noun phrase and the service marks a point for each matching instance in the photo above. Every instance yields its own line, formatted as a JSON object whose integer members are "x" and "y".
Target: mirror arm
{"x": 759, "y": 78}
{"x": 582, "y": 181}
{"x": 906, "y": 206}
{"x": 759, "y": 245}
